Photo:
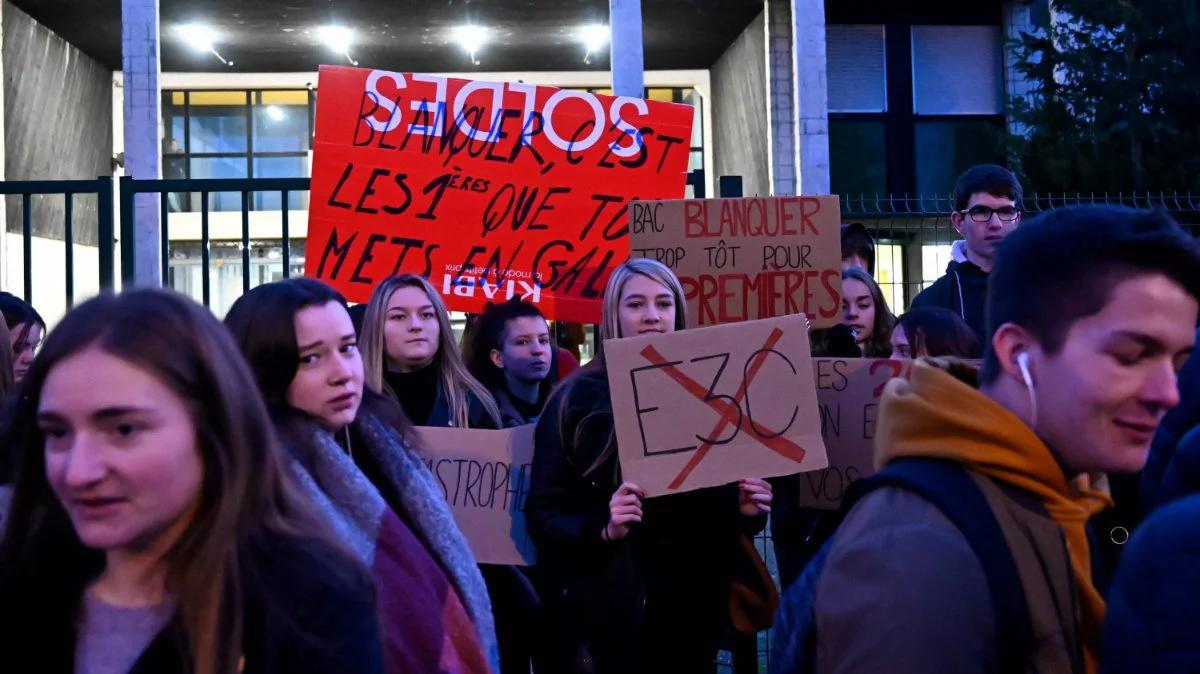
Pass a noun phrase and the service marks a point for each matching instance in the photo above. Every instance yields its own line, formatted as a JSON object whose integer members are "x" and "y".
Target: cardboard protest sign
{"x": 848, "y": 392}
{"x": 485, "y": 476}
{"x": 705, "y": 407}
{"x": 491, "y": 190}
{"x": 744, "y": 259}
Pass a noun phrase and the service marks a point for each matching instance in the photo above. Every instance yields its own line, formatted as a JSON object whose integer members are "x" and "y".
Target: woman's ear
{"x": 497, "y": 358}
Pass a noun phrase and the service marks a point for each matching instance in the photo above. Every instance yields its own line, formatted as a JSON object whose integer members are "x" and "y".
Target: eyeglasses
{"x": 983, "y": 213}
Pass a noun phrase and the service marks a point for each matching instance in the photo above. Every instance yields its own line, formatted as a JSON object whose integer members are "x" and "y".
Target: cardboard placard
{"x": 491, "y": 190}
{"x": 848, "y": 392}
{"x": 745, "y": 259}
{"x": 705, "y": 407}
{"x": 485, "y": 476}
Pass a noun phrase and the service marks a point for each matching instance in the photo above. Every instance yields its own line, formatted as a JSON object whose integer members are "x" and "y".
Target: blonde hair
{"x": 610, "y": 328}
{"x": 455, "y": 379}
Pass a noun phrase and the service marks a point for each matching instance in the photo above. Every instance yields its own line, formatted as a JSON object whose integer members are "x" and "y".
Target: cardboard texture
{"x": 491, "y": 190}
{"x": 848, "y": 392}
{"x": 705, "y": 407}
{"x": 485, "y": 476}
{"x": 745, "y": 259}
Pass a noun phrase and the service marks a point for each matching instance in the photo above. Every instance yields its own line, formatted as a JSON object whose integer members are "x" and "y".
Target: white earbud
{"x": 1023, "y": 363}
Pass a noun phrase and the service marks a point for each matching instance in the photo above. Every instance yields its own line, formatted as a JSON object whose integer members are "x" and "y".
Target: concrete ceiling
{"x": 280, "y": 35}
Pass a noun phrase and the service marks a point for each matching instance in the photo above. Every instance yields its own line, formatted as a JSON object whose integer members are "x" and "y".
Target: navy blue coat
{"x": 1154, "y": 604}
{"x": 1173, "y": 469}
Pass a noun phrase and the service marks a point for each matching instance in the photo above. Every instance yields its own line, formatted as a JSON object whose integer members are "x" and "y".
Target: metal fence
{"x": 29, "y": 190}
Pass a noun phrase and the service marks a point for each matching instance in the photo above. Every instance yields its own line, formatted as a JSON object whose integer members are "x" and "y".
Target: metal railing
{"x": 102, "y": 187}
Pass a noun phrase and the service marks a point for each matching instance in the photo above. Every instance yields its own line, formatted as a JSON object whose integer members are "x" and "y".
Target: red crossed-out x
{"x": 730, "y": 412}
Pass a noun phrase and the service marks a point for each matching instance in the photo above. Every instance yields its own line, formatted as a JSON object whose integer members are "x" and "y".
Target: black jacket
{"x": 658, "y": 598}
{"x": 307, "y": 610}
{"x": 962, "y": 290}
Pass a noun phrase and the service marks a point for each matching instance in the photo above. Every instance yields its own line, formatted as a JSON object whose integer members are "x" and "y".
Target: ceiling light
{"x": 339, "y": 39}
{"x": 201, "y": 38}
{"x": 470, "y": 38}
{"x": 594, "y": 36}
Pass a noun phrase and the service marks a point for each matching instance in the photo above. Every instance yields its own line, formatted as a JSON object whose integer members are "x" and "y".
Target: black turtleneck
{"x": 416, "y": 391}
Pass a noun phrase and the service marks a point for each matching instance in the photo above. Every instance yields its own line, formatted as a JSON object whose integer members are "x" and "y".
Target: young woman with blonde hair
{"x": 632, "y": 585}
{"x": 409, "y": 353}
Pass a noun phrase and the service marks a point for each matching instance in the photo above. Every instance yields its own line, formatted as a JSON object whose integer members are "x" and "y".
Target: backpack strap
{"x": 949, "y": 487}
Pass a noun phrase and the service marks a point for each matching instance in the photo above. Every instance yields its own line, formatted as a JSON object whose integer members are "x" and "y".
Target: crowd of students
{"x": 179, "y": 494}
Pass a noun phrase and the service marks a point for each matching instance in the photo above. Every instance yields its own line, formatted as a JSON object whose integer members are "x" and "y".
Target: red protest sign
{"x": 492, "y": 190}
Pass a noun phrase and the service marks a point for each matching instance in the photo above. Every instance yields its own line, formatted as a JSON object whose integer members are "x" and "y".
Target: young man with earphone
{"x": 1091, "y": 310}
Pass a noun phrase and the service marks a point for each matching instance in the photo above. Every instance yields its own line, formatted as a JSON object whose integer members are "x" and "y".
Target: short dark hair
{"x": 489, "y": 333}
{"x": 989, "y": 179}
{"x": 1062, "y": 267}
{"x": 937, "y": 331}
{"x": 856, "y": 240}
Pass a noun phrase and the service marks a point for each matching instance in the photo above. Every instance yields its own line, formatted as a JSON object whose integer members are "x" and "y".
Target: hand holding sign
{"x": 700, "y": 408}
{"x": 624, "y": 509}
{"x": 754, "y": 496}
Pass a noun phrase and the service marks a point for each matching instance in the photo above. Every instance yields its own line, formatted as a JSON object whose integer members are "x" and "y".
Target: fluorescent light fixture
{"x": 201, "y": 38}
{"x": 275, "y": 113}
{"x": 594, "y": 36}
{"x": 470, "y": 38}
{"x": 339, "y": 39}
{"x": 198, "y": 36}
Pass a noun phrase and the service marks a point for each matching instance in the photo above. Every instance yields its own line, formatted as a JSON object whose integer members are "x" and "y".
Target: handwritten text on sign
{"x": 848, "y": 393}
{"x": 485, "y": 477}
{"x": 705, "y": 407}
{"x": 743, "y": 259}
{"x": 492, "y": 190}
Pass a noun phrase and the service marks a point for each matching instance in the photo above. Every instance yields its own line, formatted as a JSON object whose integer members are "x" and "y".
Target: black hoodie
{"x": 962, "y": 290}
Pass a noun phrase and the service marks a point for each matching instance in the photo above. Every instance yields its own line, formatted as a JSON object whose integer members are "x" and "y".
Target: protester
{"x": 153, "y": 529}
{"x": 1153, "y": 612}
{"x": 1093, "y": 309}
{"x": 1173, "y": 469}
{"x": 409, "y": 352}
{"x": 987, "y": 207}
{"x": 933, "y": 332}
{"x": 348, "y": 450}
{"x": 633, "y": 584}
{"x": 25, "y": 329}
{"x": 866, "y": 313}
{"x": 858, "y": 248}
{"x": 513, "y": 357}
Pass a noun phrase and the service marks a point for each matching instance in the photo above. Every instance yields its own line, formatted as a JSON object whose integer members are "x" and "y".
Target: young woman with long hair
{"x": 866, "y": 313}
{"x": 933, "y": 332}
{"x": 410, "y": 354}
{"x": 152, "y": 528}
{"x": 349, "y": 449}
{"x": 26, "y": 327}
{"x": 633, "y": 584}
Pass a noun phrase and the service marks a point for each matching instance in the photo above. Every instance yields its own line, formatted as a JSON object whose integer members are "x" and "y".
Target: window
{"x": 857, "y": 157}
{"x": 946, "y": 148}
{"x": 237, "y": 134}
{"x": 956, "y": 70}
{"x": 856, "y": 68}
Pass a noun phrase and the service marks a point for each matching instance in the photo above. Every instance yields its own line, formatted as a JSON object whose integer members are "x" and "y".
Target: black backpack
{"x": 947, "y": 486}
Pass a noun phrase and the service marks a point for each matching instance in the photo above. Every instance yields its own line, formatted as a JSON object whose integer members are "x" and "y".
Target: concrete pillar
{"x": 143, "y": 115}
{"x": 625, "y": 44}
{"x": 781, "y": 110}
{"x": 6, "y": 283}
{"x": 811, "y": 96}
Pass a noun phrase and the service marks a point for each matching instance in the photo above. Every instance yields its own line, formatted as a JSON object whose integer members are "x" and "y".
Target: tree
{"x": 1115, "y": 101}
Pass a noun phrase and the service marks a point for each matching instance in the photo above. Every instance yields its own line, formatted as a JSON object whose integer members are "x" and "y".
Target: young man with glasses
{"x": 987, "y": 207}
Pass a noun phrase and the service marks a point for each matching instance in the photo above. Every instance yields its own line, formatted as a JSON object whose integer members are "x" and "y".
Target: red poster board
{"x": 492, "y": 190}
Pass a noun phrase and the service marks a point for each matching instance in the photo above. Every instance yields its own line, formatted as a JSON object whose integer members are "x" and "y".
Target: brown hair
{"x": 244, "y": 497}
{"x": 879, "y": 344}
